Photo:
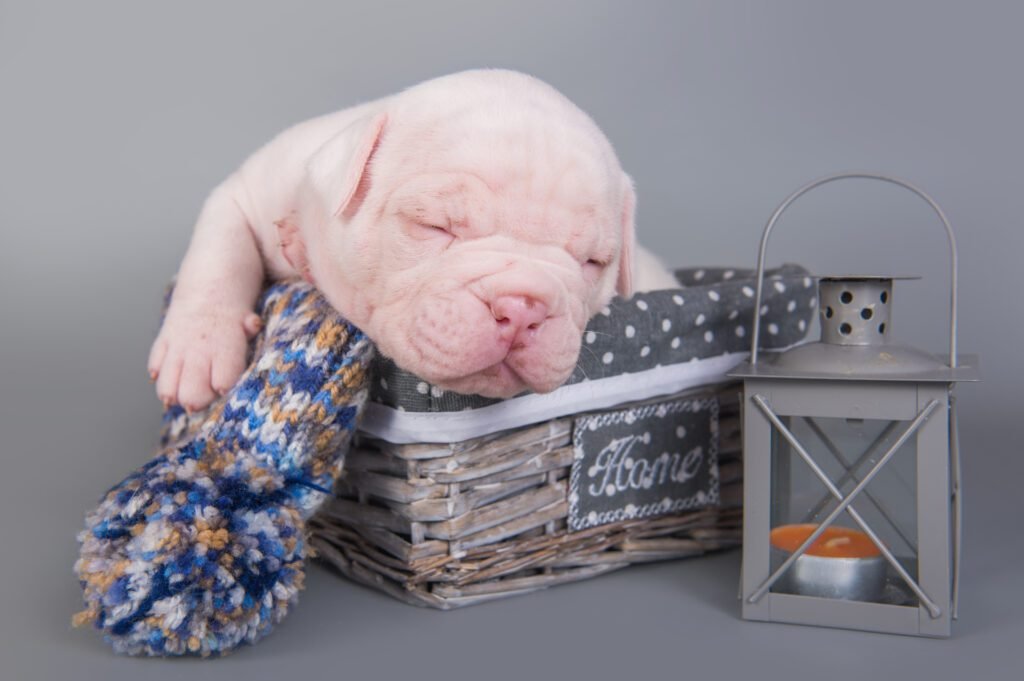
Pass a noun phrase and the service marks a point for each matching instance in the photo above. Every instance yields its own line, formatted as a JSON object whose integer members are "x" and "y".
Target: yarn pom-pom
{"x": 203, "y": 548}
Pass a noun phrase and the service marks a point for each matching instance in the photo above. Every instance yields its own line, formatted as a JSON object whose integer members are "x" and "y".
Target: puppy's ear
{"x": 337, "y": 170}
{"x": 624, "y": 285}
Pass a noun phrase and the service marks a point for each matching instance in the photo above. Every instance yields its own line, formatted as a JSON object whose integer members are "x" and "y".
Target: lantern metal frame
{"x": 909, "y": 388}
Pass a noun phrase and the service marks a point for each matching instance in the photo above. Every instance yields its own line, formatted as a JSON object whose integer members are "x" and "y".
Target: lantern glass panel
{"x": 845, "y": 563}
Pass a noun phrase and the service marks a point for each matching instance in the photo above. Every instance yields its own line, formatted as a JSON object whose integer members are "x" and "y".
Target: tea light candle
{"x": 841, "y": 563}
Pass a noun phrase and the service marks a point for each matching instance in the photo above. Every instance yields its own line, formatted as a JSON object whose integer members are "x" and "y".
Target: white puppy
{"x": 470, "y": 225}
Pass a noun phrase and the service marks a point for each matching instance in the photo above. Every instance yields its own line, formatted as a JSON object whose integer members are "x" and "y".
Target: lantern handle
{"x": 868, "y": 176}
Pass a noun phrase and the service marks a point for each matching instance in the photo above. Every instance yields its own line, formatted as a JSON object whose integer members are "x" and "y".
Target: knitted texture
{"x": 203, "y": 547}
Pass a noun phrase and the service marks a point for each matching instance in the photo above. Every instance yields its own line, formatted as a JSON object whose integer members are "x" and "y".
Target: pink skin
{"x": 470, "y": 226}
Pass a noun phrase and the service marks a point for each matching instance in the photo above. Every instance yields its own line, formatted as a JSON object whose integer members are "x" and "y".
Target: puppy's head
{"x": 471, "y": 226}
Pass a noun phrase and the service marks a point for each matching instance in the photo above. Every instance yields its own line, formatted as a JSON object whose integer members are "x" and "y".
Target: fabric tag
{"x": 644, "y": 461}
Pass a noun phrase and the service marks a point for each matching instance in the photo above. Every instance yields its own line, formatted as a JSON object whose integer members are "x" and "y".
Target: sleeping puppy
{"x": 470, "y": 226}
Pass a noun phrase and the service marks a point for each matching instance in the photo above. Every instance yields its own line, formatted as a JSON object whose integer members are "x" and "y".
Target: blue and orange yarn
{"x": 203, "y": 548}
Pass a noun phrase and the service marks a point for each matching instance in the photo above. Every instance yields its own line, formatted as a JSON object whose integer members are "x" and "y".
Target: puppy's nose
{"x": 518, "y": 317}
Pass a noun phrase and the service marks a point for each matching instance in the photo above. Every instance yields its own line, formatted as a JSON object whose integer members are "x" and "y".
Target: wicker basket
{"x": 447, "y": 525}
{"x": 518, "y": 495}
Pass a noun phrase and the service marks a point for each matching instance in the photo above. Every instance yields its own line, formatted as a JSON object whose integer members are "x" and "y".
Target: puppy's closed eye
{"x": 594, "y": 267}
{"x": 436, "y": 229}
{"x": 424, "y": 230}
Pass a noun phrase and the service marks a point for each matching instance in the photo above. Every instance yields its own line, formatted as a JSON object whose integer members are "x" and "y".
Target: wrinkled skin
{"x": 470, "y": 225}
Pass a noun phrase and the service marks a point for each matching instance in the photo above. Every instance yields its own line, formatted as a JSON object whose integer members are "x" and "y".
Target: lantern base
{"x": 841, "y": 614}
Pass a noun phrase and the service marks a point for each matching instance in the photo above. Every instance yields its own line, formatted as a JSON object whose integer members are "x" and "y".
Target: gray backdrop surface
{"x": 117, "y": 118}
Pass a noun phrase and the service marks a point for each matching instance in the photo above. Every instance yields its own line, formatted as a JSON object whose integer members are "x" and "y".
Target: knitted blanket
{"x": 203, "y": 547}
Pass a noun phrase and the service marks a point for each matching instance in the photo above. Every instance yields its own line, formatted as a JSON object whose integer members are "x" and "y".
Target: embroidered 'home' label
{"x": 644, "y": 461}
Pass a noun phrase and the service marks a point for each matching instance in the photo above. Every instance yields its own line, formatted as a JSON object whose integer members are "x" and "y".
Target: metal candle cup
{"x": 841, "y": 563}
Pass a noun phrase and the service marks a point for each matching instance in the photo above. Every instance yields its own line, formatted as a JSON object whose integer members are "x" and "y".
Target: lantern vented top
{"x": 855, "y": 310}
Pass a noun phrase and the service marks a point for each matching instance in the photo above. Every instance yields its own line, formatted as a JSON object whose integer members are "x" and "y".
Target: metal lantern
{"x": 851, "y": 467}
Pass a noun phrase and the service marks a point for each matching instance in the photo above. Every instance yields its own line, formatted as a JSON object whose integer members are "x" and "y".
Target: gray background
{"x": 116, "y": 119}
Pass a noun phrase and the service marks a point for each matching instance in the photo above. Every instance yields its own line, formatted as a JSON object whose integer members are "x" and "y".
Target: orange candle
{"x": 834, "y": 542}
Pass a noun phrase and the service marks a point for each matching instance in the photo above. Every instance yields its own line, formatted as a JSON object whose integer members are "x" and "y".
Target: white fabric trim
{"x": 403, "y": 427}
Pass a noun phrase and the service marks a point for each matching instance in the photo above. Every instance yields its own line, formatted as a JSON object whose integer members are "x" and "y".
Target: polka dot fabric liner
{"x": 710, "y": 314}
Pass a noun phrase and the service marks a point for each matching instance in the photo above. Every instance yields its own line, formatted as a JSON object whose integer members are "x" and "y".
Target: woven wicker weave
{"x": 456, "y": 524}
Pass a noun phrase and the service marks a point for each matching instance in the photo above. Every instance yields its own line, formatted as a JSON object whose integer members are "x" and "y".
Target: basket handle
{"x": 867, "y": 176}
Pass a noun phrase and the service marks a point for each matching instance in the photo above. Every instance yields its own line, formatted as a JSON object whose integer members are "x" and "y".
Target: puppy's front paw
{"x": 199, "y": 353}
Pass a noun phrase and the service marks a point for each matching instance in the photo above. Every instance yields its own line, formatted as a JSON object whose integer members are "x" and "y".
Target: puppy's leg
{"x": 201, "y": 347}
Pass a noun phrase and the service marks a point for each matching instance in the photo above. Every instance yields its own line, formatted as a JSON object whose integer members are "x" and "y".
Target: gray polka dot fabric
{"x": 710, "y": 314}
